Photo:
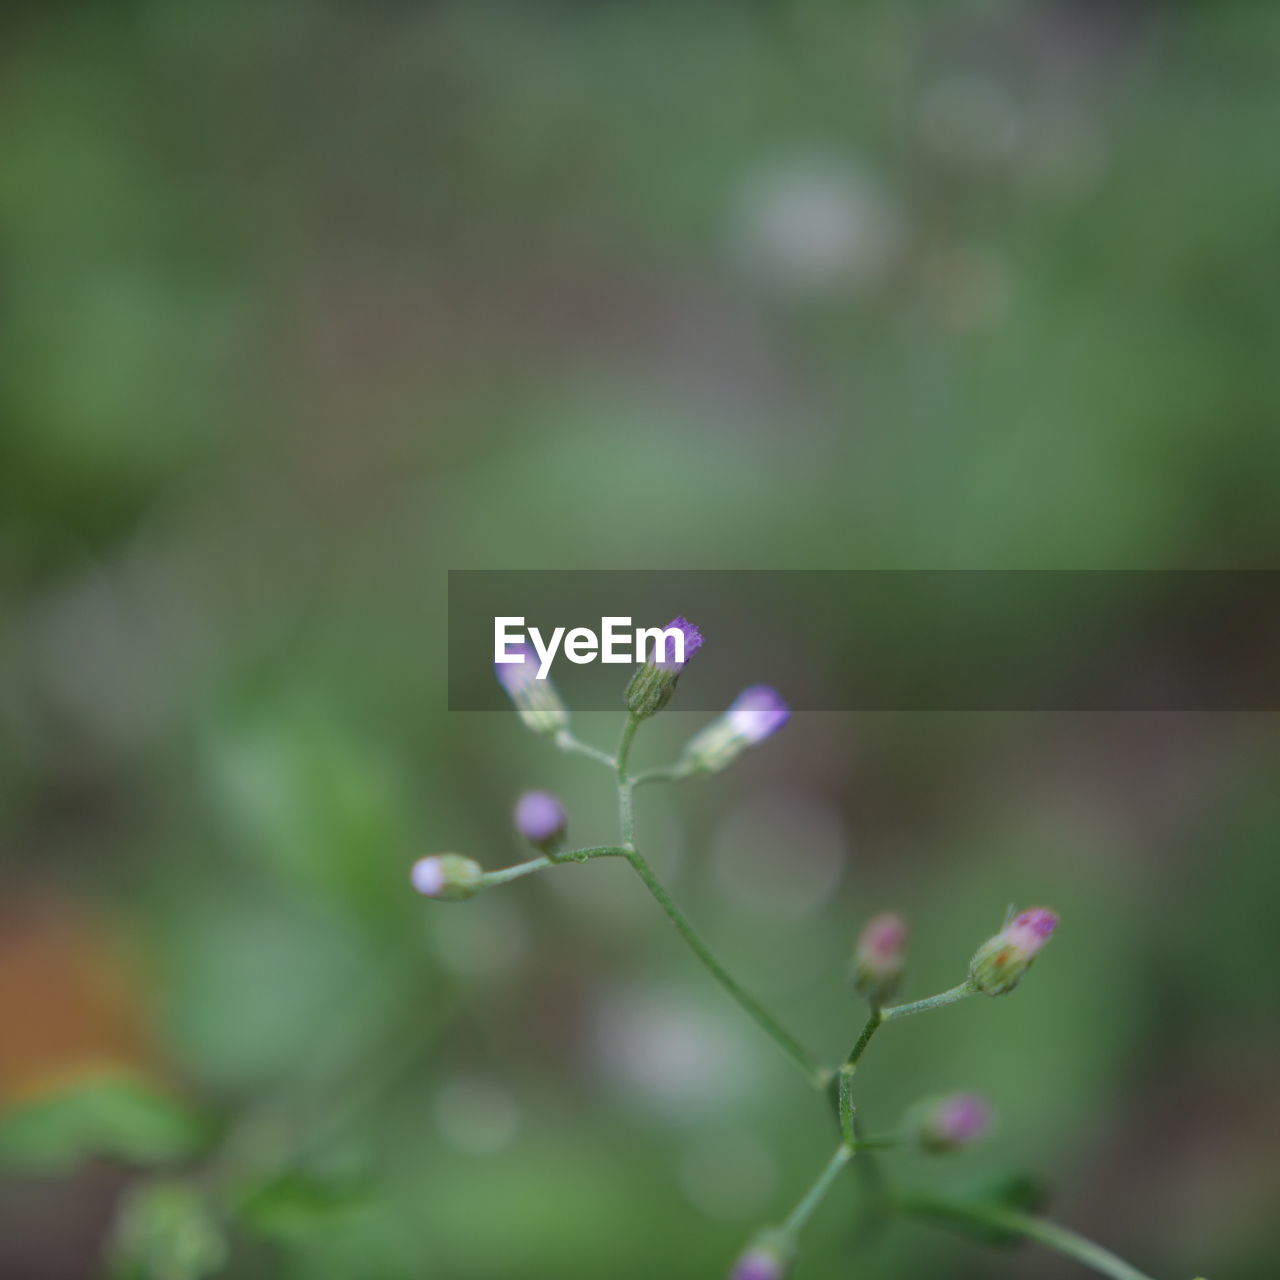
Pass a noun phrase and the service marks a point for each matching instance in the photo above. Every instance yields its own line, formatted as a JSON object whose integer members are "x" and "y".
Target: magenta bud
{"x": 751, "y": 717}
{"x": 655, "y": 680}
{"x": 1003, "y": 960}
{"x": 768, "y": 1257}
{"x": 881, "y": 957}
{"x": 758, "y": 1265}
{"x": 537, "y": 702}
{"x": 947, "y": 1124}
{"x": 448, "y": 876}
{"x": 540, "y": 818}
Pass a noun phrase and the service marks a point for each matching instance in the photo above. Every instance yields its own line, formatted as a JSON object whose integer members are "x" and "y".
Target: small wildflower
{"x": 768, "y": 1257}
{"x": 541, "y": 820}
{"x": 448, "y": 876}
{"x": 947, "y": 1124}
{"x": 753, "y": 715}
{"x": 1002, "y": 961}
{"x": 881, "y": 957}
{"x": 537, "y": 701}
{"x": 653, "y": 683}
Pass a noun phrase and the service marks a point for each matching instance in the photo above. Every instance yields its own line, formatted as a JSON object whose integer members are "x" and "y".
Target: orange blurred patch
{"x": 66, "y": 1003}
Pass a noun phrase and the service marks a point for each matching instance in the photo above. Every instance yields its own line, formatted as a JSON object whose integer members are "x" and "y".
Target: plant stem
{"x": 816, "y": 1193}
{"x": 873, "y": 1025}
{"x": 772, "y": 1028}
{"x": 1050, "y": 1234}
{"x": 567, "y": 742}
{"x": 962, "y": 992}
{"x": 505, "y": 874}
{"x": 669, "y": 773}
{"x": 626, "y": 814}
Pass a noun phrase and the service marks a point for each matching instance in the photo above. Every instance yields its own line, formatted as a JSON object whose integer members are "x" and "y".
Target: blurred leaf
{"x": 165, "y": 1231}
{"x": 1019, "y": 1192}
{"x": 105, "y": 1114}
{"x": 315, "y": 803}
{"x": 293, "y": 1204}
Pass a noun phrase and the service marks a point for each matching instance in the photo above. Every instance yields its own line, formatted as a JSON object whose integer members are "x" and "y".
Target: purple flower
{"x": 516, "y": 676}
{"x": 752, "y": 716}
{"x": 758, "y": 1265}
{"x": 655, "y": 679}
{"x": 448, "y": 876}
{"x": 1031, "y": 929}
{"x": 757, "y": 712}
{"x": 536, "y": 700}
{"x": 881, "y": 957}
{"x": 767, "y": 1257}
{"x": 950, "y": 1123}
{"x": 1003, "y": 960}
{"x": 666, "y": 647}
{"x": 540, "y": 818}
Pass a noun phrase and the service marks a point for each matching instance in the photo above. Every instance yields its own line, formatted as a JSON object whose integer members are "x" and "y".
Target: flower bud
{"x": 653, "y": 683}
{"x": 881, "y": 957}
{"x": 1000, "y": 963}
{"x": 947, "y": 1124}
{"x": 768, "y": 1257}
{"x": 541, "y": 820}
{"x": 448, "y": 876}
{"x": 536, "y": 701}
{"x": 752, "y": 716}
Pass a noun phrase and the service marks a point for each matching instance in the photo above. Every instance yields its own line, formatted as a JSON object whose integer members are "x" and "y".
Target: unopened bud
{"x": 753, "y": 715}
{"x": 536, "y": 701}
{"x": 653, "y": 683}
{"x": 947, "y": 1124}
{"x": 881, "y": 957}
{"x": 1001, "y": 962}
{"x": 541, "y": 820}
{"x": 768, "y": 1257}
{"x": 448, "y": 876}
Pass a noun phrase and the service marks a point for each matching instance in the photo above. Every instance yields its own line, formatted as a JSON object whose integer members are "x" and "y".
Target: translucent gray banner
{"x": 926, "y": 640}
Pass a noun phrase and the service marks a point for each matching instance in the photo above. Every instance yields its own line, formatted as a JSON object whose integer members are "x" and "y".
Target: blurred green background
{"x": 304, "y": 304}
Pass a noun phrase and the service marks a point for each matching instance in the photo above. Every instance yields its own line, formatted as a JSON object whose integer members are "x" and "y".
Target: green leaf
{"x": 112, "y": 1114}
{"x": 166, "y": 1231}
{"x": 1019, "y": 1192}
{"x": 291, "y": 1205}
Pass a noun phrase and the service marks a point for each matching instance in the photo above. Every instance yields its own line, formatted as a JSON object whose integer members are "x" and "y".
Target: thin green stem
{"x": 816, "y": 1193}
{"x": 624, "y": 746}
{"x": 890, "y": 1142}
{"x": 626, "y": 811}
{"x": 844, "y": 1105}
{"x": 956, "y": 994}
{"x": 668, "y": 773}
{"x": 505, "y": 874}
{"x": 873, "y": 1025}
{"x": 1049, "y": 1234}
{"x": 568, "y": 743}
{"x": 776, "y": 1032}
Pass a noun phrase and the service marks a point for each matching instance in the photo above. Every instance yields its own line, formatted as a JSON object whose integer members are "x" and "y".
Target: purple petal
{"x": 757, "y": 712}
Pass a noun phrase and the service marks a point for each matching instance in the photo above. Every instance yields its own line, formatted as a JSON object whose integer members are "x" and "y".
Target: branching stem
{"x": 1049, "y": 1234}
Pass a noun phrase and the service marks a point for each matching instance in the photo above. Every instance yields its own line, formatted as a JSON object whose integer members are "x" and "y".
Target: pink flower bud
{"x": 947, "y": 1124}
{"x": 881, "y": 957}
{"x": 448, "y": 876}
{"x": 1002, "y": 961}
{"x": 768, "y": 1257}
{"x": 540, "y": 819}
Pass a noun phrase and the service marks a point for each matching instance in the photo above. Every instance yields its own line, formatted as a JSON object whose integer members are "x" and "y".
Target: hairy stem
{"x": 766, "y": 1021}
{"x": 568, "y": 743}
{"x": 1050, "y": 1234}
{"x": 953, "y": 996}
{"x": 817, "y": 1193}
{"x": 503, "y": 875}
{"x": 626, "y": 814}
